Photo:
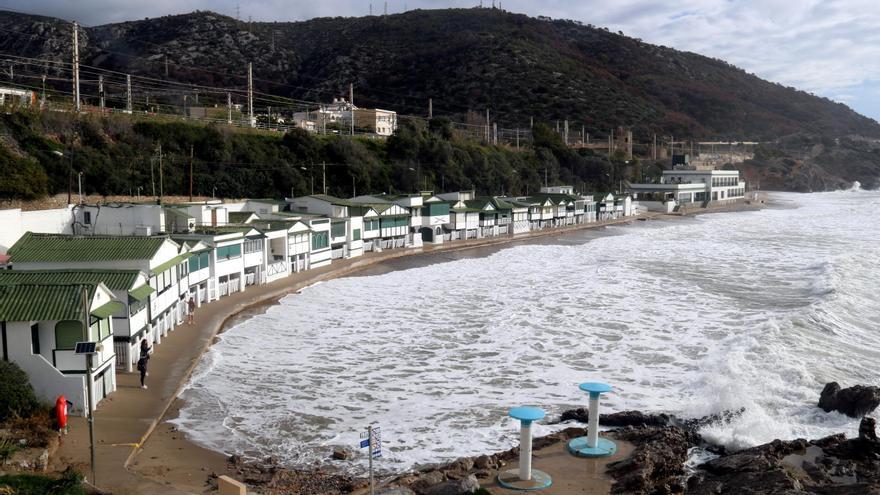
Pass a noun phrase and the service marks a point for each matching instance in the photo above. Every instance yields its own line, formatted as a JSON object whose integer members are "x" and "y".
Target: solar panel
{"x": 86, "y": 347}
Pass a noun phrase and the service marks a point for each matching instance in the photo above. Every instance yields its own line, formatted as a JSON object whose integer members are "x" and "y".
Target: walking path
{"x": 126, "y": 419}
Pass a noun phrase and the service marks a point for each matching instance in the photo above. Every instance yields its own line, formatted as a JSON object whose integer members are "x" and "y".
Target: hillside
{"x": 517, "y": 66}
{"x": 464, "y": 59}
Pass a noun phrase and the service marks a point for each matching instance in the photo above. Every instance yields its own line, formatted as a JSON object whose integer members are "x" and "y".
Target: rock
{"x": 854, "y": 401}
{"x": 428, "y": 480}
{"x": 468, "y": 484}
{"x": 234, "y": 459}
{"x": 459, "y": 468}
{"x": 656, "y": 464}
{"x": 484, "y": 462}
{"x": 868, "y": 430}
{"x": 395, "y": 490}
{"x": 342, "y": 454}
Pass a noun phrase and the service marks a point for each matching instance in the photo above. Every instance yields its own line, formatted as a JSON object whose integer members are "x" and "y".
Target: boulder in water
{"x": 854, "y": 401}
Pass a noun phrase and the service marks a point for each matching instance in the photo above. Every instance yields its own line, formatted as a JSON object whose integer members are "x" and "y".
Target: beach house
{"x": 129, "y": 287}
{"x": 40, "y": 324}
{"x": 687, "y": 186}
{"x": 158, "y": 257}
{"x": 434, "y": 215}
{"x": 346, "y": 222}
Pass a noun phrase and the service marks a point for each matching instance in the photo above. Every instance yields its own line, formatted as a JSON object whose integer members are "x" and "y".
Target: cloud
{"x": 829, "y": 48}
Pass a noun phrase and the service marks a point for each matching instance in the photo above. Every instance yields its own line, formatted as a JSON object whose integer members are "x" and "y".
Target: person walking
{"x": 191, "y": 307}
{"x": 144, "y": 360}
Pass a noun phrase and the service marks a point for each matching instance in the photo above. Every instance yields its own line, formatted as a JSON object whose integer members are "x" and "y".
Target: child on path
{"x": 142, "y": 363}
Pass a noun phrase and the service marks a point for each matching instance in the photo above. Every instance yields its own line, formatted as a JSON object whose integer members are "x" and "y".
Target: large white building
{"x": 688, "y": 187}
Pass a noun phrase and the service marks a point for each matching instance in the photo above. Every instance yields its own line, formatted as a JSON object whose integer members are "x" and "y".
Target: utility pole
{"x": 386, "y": 8}
{"x": 161, "y": 182}
{"x": 371, "y": 10}
{"x": 487, "y": 126}
{"x": 517, "y": 138}
{"x": 91, "y": 400}
{"x": 654, "y": 148}
{"x": 430, "y": 108}
{"x": 190, "y": 173}
{"x": 43, "y": 96}
{"x": 566, "y": 132}
{"x": 128, "y": 93}
{"x": 495, "y": 132}
{"x": 251, "y": 121}
{"x": 229, "y": 108}
{"x": 166, "y": 65}
{"x": 76, "y": 67}
{"x": 324, "y": 175}
{"x": 531, "y": 122}
{"x": 101, "y": 93}
{"x": 351, "y": 102}
{"x": 273, "y": 41}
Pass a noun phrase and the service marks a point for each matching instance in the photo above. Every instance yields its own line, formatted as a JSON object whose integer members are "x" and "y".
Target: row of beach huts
{"x": 135, "y": 266}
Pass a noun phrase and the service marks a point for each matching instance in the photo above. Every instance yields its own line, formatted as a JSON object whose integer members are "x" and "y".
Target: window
{"x": 229, "y": 252}
{"x": 134, "y": 306}
{"x": 338, "y": 229}
{"x": 320, "y": 240}
{"x": 253, "y": 245}
{"x": 194, "y": 264}
{"x": 67, "y": 334}
{"x": 35, "y": 338}
{"x": 87, "y": 217}
{"x": 356, "y": 234}
{"x": 371, "y": 224}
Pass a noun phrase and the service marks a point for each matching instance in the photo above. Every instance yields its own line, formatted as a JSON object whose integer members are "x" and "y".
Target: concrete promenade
{"x": 126, "y": 419}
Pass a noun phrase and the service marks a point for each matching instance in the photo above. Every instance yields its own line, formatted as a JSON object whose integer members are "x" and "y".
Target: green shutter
{"x": 338, "y": 229}
{"x": 67, "y": 334}
{"x": 357, "y": 234}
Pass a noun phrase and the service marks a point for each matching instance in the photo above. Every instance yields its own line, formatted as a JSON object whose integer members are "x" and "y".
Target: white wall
{"x": 47, "y": 381}
{"x": 14, "y": 223}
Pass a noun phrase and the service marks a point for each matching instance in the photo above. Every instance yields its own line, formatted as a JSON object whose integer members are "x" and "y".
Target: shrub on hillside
{"x": 16, "y": 394}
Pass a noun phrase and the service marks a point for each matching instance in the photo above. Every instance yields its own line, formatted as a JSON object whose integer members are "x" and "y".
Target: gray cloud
{"x": 830, "y": 48}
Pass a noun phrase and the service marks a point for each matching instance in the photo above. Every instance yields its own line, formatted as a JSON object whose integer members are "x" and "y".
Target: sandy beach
{"x": 139, "y": 452}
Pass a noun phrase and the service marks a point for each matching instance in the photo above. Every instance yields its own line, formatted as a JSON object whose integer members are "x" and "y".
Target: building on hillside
{"x": 686, "y": 187}
{"x": 158, "y": 257}
{"x": 16, "y": 96}
{"x": 375, "y": 121}
{"x": 14, "y": 223}
{"x": 129, "y": 287}
{"x": 40, "y": 325}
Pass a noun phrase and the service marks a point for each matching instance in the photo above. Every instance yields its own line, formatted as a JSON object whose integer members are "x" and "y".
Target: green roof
{"x": 173, "y": 261}
{"x": 239, "y": 216}
{"x": 33, "y": 247}
{"x": 333, "y": 200}
{"x": 141, "y": 293}
{"x": 113, "y": 279}
{"x": 107, "y": 309}
{"x": 39, "y": 302}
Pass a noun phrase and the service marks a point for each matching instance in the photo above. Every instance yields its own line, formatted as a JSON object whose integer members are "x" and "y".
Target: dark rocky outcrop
{"x": 618, "y": 419}
{"x": 657, "y": 463}
{"x": 830, "y": 466}
{"x": 854, "y": 401}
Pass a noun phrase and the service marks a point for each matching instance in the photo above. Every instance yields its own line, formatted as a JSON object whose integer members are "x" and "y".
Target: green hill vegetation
{"x": 118, "y": 155}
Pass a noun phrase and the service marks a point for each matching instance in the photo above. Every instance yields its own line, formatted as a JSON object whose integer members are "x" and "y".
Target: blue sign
{"x": 365, "y": 443}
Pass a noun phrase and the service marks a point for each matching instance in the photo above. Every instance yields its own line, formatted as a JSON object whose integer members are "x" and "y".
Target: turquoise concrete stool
{"x": 525, "y": 478}
{"x": 591, "y": 445}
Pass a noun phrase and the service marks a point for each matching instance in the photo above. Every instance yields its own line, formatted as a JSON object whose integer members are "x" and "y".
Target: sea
{"x": 753, "y": 311}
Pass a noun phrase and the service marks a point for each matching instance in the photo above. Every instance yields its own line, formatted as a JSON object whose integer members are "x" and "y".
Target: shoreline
{"x": 163, "y": 456}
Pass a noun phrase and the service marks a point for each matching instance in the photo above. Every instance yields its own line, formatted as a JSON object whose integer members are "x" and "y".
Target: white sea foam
{"x": 749, "y": 310}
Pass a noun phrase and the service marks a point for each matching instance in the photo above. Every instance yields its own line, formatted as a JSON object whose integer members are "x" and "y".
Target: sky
{"x": 830, "y": 48}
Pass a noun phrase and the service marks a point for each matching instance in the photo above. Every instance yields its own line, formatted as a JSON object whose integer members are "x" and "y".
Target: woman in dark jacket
{"x": 144, "y": 360}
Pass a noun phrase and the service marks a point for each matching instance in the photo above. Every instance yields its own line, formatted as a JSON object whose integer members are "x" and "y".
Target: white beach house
{"x": 689, "y": 187}
{"x": 158, "y": 257}
{"x": 40, "y": 325}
